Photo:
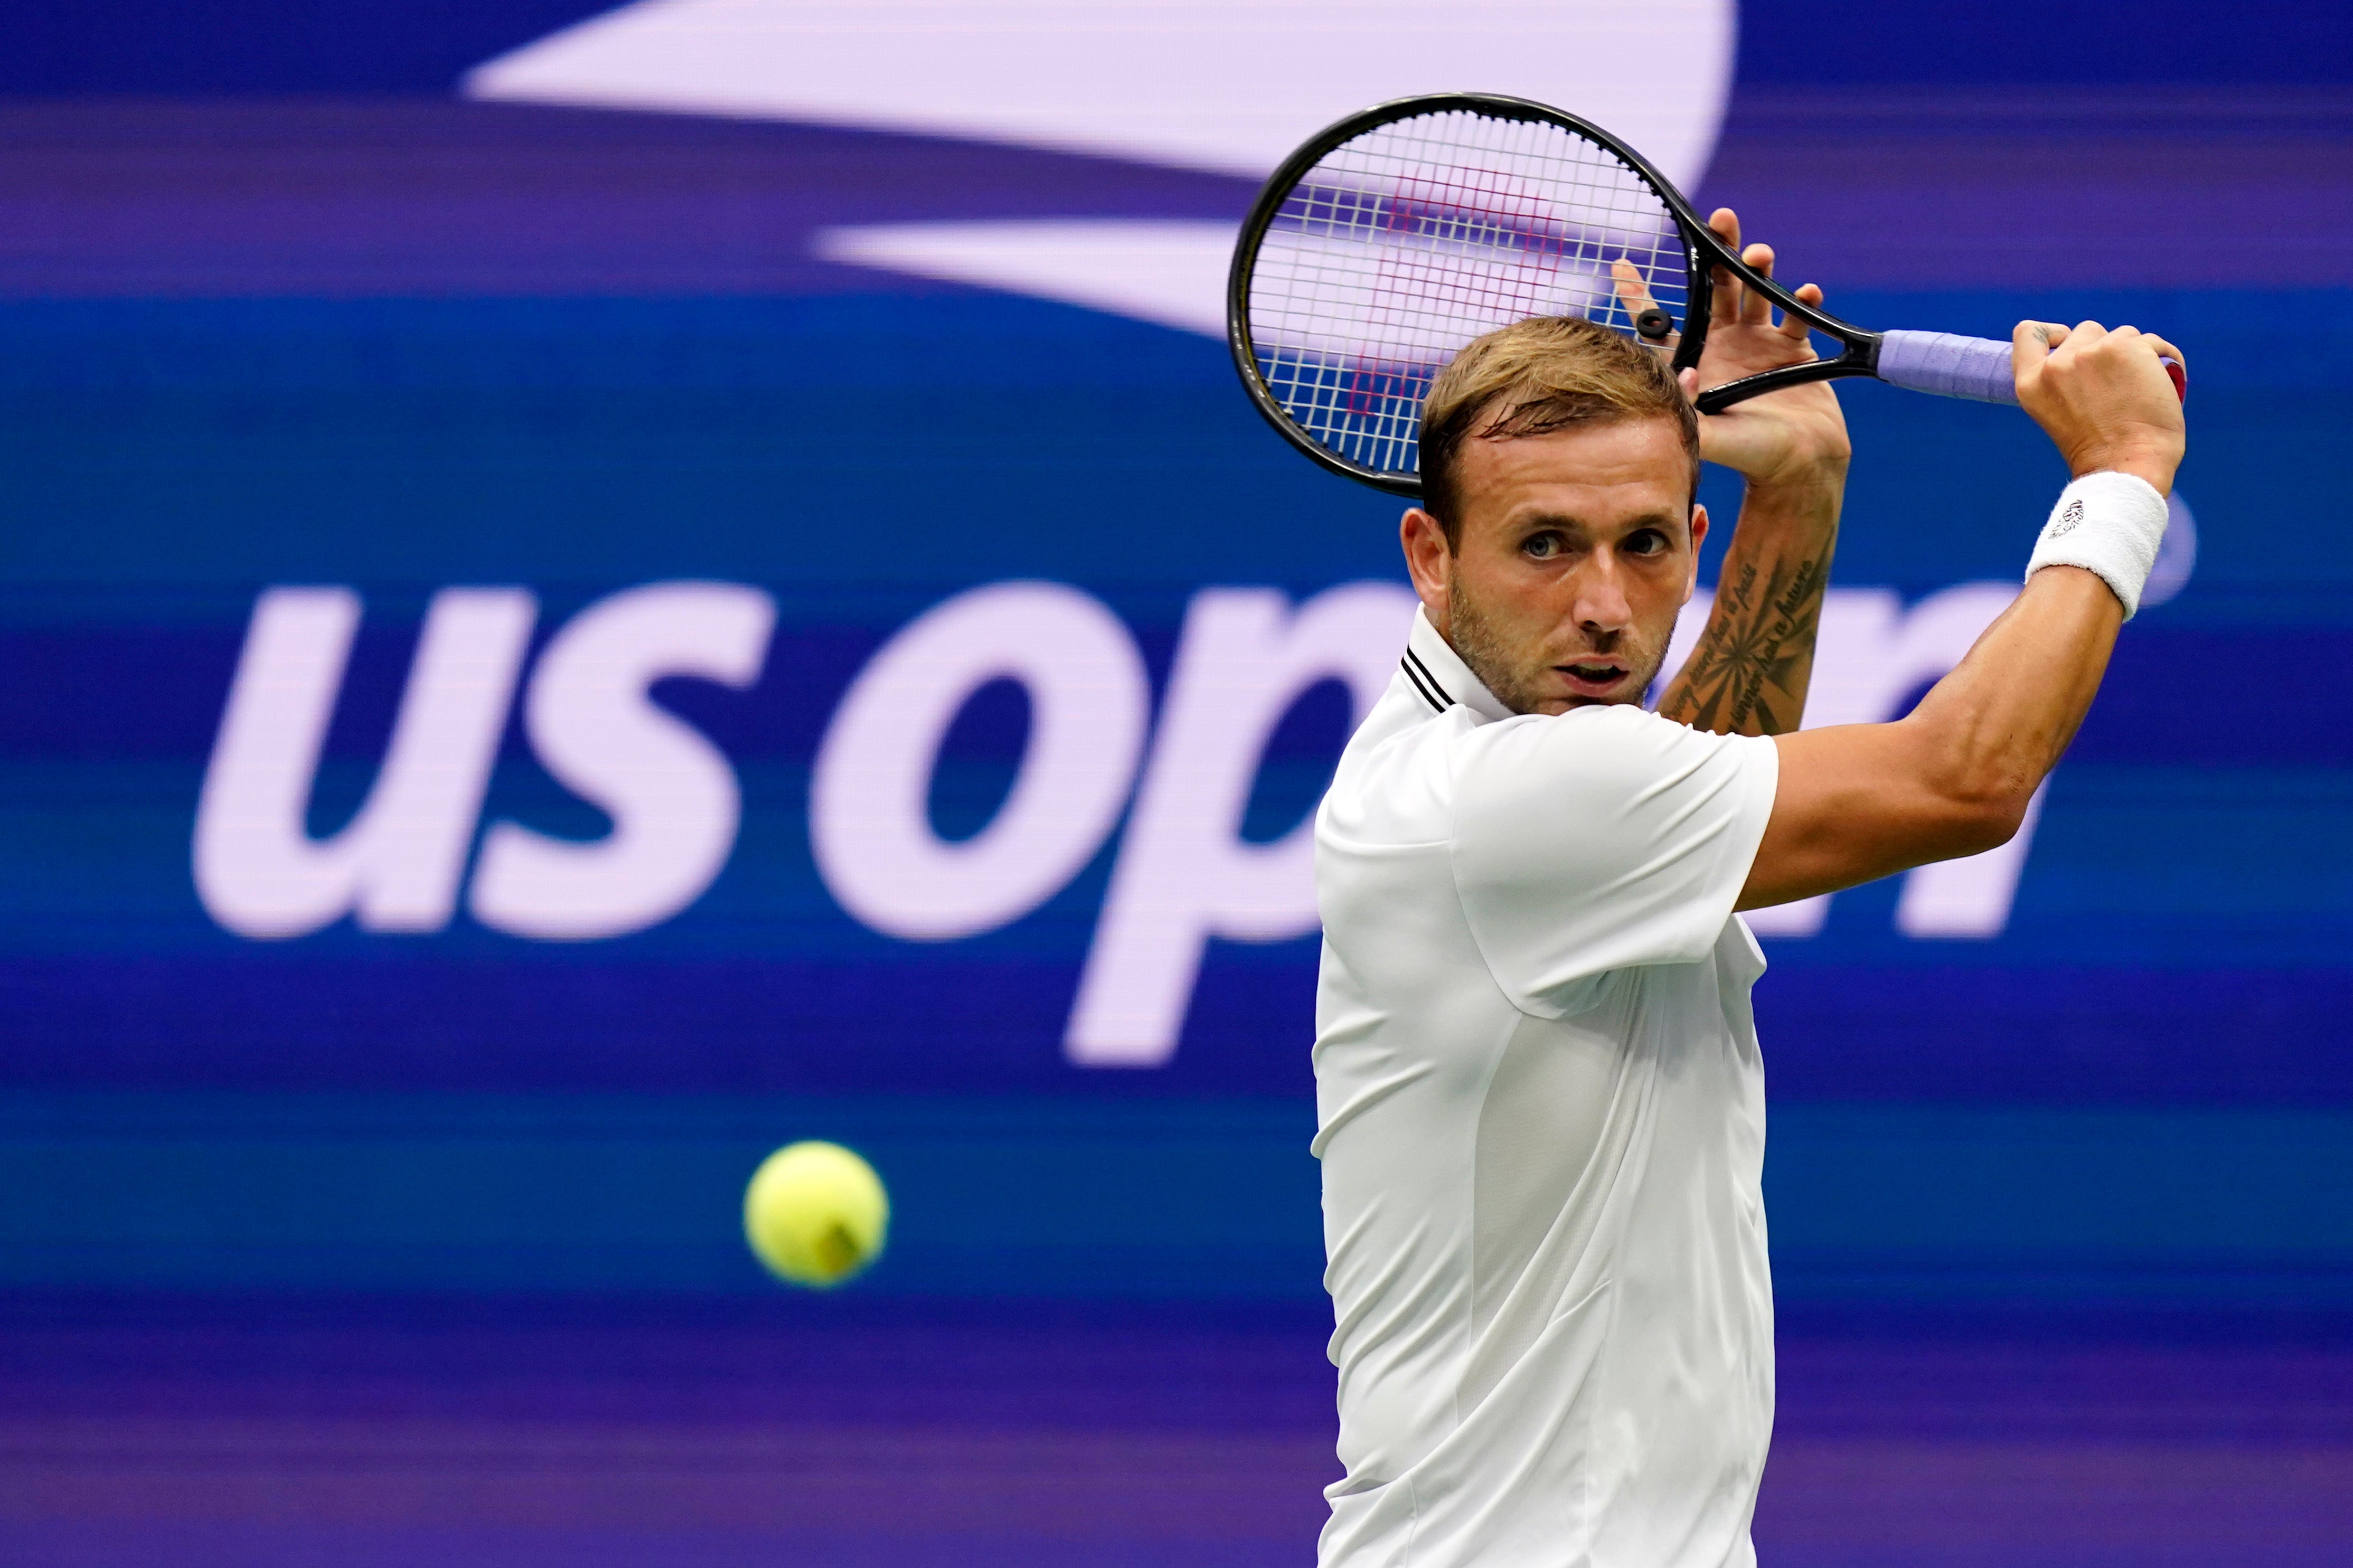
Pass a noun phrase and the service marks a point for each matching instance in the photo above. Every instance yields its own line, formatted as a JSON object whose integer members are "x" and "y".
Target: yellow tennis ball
{"x": 815, "y": 1212}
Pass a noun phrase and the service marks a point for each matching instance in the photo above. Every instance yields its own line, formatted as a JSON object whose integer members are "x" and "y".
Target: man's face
{"x": 1574, "y": 557}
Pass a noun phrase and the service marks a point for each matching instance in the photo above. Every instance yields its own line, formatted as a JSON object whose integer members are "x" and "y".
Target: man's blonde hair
{"x": 1542, "y": 374}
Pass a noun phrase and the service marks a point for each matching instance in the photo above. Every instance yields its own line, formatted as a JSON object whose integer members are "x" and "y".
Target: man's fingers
{"x": 2131, "y": 339}
{"x": 2102, "y": 398}
{"x": 1812, "y": 294}
{"x": 1632, "y": 288}
{"x": 1755, "y": 307}
{"x": 2030, "y": 343}
{"x": 1725, "y": 285}
{"x": 1724, "y": 295}
{"x": 2167, "y": 350}
{"x": 2083, "y": 335}
{"x": 2035, "y": 342}
{"x": 2092, "y": 331}
{"x": 1634, "y": 291}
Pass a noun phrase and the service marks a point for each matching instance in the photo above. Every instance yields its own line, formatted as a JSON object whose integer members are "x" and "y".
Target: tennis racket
{"x": 1390, "y": 240}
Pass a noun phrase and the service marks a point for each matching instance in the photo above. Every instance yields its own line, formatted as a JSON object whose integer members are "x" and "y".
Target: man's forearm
{"x": 1999, "y": 723}
{"x": 1749, "y": 673}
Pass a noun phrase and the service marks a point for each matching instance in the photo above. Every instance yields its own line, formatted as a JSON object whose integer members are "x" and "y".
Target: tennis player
{"x": 1541, "y": 1106}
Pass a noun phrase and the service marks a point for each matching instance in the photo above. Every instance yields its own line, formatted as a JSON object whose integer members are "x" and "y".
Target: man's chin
{"x": 1556, "y": 705}
{"x": 1554, "y": 691}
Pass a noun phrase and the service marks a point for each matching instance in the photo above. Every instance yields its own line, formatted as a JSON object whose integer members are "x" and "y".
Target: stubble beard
{"x": 1512, "y": 673}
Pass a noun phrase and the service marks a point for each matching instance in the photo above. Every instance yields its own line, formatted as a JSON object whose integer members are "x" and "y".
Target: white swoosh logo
{"x": 1227, "y": 85}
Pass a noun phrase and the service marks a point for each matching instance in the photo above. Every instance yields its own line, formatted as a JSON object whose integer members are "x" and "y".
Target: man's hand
{"x": 2102, "y": 398}
{"x": 1794, "y": 437}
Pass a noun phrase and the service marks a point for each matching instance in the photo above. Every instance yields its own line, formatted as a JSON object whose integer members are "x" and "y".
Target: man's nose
{"x": 1601, "y": 605}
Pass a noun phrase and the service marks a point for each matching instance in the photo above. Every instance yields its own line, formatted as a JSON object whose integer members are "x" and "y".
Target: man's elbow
{"x": 1982, "y": 820}
{"x": 1979, "y": 798}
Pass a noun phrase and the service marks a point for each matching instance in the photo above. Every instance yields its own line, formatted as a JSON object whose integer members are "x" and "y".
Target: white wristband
{"x": 2110, "y": 524}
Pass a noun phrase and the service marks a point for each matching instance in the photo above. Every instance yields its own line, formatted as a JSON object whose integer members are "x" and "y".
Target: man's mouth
{"x": 1593, "y": 676}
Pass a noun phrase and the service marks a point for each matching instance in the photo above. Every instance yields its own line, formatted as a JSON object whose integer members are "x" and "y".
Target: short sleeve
{"x": 1600, "y": 839}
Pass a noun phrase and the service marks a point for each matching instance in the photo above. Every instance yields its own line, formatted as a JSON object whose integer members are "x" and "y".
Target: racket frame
{"x": 1704, "y": 251}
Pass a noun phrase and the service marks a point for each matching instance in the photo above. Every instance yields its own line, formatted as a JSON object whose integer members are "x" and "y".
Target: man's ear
{"x": 1425, "y": 561}
{"x": 1699, "y": 536}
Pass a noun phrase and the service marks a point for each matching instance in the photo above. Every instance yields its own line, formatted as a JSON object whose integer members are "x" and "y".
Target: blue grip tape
{"x": 1951, "y": 365}
{"x": 1948, "y": 365}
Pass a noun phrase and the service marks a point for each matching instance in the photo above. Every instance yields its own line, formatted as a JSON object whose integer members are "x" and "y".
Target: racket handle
{"x": 1947, "y": 365}
{"x": 1977, "y": 368}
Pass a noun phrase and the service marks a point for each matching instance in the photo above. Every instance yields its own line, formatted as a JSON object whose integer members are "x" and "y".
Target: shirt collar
{"x": 1439, "y": 675}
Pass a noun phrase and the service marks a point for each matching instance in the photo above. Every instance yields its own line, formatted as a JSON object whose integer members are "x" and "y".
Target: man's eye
{"x": 1543, "y": 546}
{"x": 1649, "y": 542}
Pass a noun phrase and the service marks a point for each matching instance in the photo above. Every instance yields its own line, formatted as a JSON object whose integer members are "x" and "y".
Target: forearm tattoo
{"x": 1749, "y": 672}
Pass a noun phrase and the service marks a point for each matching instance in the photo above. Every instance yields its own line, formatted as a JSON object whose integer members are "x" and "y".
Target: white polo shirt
{"x": 1542, "y": 1122}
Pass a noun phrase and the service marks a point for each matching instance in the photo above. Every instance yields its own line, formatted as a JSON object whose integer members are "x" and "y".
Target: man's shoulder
{"x": 1409, "y": 749}
{"x": 1607, "y": 770}
{"x": 1394, "y": 779}
{"x": 1604, "y": 743}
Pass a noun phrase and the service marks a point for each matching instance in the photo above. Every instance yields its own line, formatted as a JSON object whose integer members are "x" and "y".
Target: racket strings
{"x": 1406, "y": 242}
